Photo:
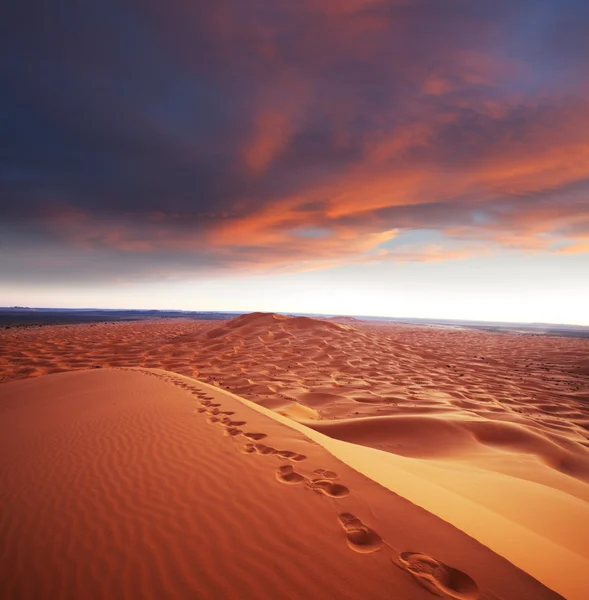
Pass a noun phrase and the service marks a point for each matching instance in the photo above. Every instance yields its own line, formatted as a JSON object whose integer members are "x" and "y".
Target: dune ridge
{"x": 127, "y": 483}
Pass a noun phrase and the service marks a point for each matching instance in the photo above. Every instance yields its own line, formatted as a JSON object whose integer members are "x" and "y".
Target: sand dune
{"x": 432, "y": 436}
{"x": 121, "y": 483}
{"x": 521, "y": 509}
{"x": 487, "y": 430}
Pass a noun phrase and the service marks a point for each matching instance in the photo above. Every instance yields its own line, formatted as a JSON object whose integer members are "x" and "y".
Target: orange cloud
{"x": 579, "y": 247}
{"x": 272, "y": 131}
{"x": 276, "y": 118}
{"x": 503, "y": 184}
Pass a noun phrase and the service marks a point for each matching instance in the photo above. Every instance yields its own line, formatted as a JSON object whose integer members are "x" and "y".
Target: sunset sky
{"x": 411, "y": 158}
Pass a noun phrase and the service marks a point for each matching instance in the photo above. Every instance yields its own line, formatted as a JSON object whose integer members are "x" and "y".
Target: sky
{"x": 408, "y": 158}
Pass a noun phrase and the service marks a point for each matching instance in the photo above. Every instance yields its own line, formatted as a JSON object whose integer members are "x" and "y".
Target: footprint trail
{"x": 435, "y": 576}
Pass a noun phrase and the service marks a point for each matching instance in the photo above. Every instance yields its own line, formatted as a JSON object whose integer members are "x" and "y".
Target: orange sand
{"x": 488, "y": 431}
{"x": 128, "y": 483}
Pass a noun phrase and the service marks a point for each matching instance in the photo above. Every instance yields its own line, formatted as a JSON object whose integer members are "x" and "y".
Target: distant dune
{"x": 343, "y": 319}
{"x": 488, "y": 431}
{"x": 270, "y": 323}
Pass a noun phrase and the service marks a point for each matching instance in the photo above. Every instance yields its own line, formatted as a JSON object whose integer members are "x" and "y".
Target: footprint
{"x": 263, "y": 449}
{"x": 327, "y": 487}
{"x": 287, "y": 474}
{"x": 294, "y": 456}
{"x": 233, "y": 431}
{"x": 227, "y": 412}
{"x": 326, "y": 474}
{"x": 298, "y": 457}
{"x": 285, "y": 453}
{"x": 360, "y": 537}
{"x": 249, "y": 449}
{"x": 213, "y": 419}
{"x": 202, "y": 409}
{"x": 255, "y": 436}
{"x": 437, "y": 577}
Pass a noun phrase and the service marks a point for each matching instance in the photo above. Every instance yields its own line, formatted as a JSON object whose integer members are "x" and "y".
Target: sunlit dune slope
{"x": 121, "y": 483}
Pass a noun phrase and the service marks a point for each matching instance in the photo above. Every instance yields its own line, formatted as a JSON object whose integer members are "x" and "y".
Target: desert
{"x": 293, "y": 300}
{"x": 271, "y": 456}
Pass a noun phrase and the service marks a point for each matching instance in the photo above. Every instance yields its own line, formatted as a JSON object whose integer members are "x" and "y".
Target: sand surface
{"x": 488, "y": 431}
{"x": 128, "y": 483}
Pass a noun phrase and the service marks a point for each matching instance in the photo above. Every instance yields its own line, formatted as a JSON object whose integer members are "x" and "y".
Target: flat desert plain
{"x": 289, "y": 457}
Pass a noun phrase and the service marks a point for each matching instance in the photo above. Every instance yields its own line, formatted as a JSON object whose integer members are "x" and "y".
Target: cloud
{"x": 202, "y": 137}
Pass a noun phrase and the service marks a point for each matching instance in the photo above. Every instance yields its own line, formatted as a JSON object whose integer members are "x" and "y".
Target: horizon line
{"x": 283, "y": 312}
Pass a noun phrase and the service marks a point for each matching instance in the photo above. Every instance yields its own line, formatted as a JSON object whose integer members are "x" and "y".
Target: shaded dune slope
{"x": 126, "y": 483}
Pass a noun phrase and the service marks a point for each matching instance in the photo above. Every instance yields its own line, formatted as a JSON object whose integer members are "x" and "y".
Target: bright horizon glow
{"x": 298, "y": 312}
{"x": 428, "y": 291}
